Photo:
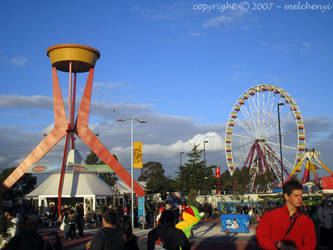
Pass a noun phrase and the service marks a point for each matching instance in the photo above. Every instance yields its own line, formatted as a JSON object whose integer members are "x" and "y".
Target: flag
{"x": 137, "y": 161}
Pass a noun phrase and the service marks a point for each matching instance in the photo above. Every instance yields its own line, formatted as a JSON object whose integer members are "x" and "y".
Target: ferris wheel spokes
{"x": 246, "y": 129}
{"x": 284, "y": 146}
{"x": 254, "y": 114}
{"x": 285, "y": 164}
{"x": 248, "y": 115}
{"x": 245, "y": 137}
{"x": 287, "y": 132}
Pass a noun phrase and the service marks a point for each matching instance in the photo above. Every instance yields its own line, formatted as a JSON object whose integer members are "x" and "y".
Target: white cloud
{"x": 217, "y": 21}
{"x": 26, "y": 102}
{"x": 18, "y": 61}
{"x": 215, "y": 143}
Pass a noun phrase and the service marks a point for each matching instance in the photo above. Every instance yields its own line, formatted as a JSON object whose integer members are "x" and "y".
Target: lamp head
{"x": 141, "y": 121}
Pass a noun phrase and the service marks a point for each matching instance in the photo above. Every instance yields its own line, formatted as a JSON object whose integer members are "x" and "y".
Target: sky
{"x": 179, "y": 65}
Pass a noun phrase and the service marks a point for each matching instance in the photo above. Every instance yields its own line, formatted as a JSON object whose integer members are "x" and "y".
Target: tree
{"x": 242, "y": 179}
{"x": 92, "y": 158}
{"x": 263, "y": 181}
{"x": 239, "y": 182}
{"x": 194, "y": 175}
{"x": 108, "y": 178}
{"x": 226, "y": 182}
{"x": 153, "y": 173}
{"x": 22, "y": 187}
{"x": 149, "y": 169}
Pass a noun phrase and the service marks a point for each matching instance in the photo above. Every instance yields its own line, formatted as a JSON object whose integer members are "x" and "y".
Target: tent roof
{"x": 122, "y": 187}
{"x": 76, "y": 184}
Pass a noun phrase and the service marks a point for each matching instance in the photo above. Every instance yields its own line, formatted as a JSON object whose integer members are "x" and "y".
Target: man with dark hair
{"x": 108, "y": 238}
{"x": 166, "y": 235}
{"x": 286, "y": 227}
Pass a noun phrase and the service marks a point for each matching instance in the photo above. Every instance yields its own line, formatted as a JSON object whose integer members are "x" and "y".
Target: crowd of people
{"x": 70, "y": 219}
{"x": 291, "y": 225}
{"x": 117, "y": 232}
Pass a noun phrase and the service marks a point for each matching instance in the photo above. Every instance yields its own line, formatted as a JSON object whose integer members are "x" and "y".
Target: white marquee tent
{"x": 78, "y": 184}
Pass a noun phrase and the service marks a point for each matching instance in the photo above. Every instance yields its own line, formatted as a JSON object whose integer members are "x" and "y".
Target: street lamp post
{"x": 180, "y": 158}
{"x": 278, "y": 108}
{"x": 204, "y": 151}
{"x": 204, "y": 143}
{"x": 132, "y": 163}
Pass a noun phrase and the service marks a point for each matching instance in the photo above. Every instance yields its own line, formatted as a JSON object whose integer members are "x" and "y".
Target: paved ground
{"x": 207, "y": 235}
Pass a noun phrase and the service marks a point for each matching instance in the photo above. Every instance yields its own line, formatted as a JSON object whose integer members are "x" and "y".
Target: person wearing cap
{"x": 166, "y": 235}
{"x": 287, "y": 227}
{"x": 108, "y": 238}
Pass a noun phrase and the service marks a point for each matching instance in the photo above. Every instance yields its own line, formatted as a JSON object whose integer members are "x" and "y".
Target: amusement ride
{"x": 252, "y": 136}
{"x": 72, "y": 59}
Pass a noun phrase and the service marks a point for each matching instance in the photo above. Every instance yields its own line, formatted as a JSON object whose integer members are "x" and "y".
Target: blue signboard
{"x": 238, "y": 223}
{"x": 141, "y": 209}
{"x": 277, "y": 190}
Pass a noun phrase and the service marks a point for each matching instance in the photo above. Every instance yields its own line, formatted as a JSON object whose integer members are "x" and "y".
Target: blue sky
{"x": 180, "y": 68}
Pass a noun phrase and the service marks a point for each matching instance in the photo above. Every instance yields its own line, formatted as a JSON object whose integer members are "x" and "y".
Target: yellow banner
{"x": 137, "y": 161}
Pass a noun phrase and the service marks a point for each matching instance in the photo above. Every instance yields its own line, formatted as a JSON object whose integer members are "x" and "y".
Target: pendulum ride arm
{"x": 306, "y": 172}
{"x": 58, "y": 132}
{"x": 88, "y": 137}
{"x": 313, "y": 168}
{"x": 295, "y": 168}
{"x": 323, "y": 165}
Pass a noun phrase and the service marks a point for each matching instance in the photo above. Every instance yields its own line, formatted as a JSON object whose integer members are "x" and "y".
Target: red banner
{"x": 217, "y": 172}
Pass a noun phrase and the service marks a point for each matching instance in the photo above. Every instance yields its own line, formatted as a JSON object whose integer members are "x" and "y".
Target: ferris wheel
{"x": 252, "y": 133}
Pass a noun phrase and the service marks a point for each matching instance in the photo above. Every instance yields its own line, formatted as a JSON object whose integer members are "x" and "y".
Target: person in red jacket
{"x": 286, "y": 227}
